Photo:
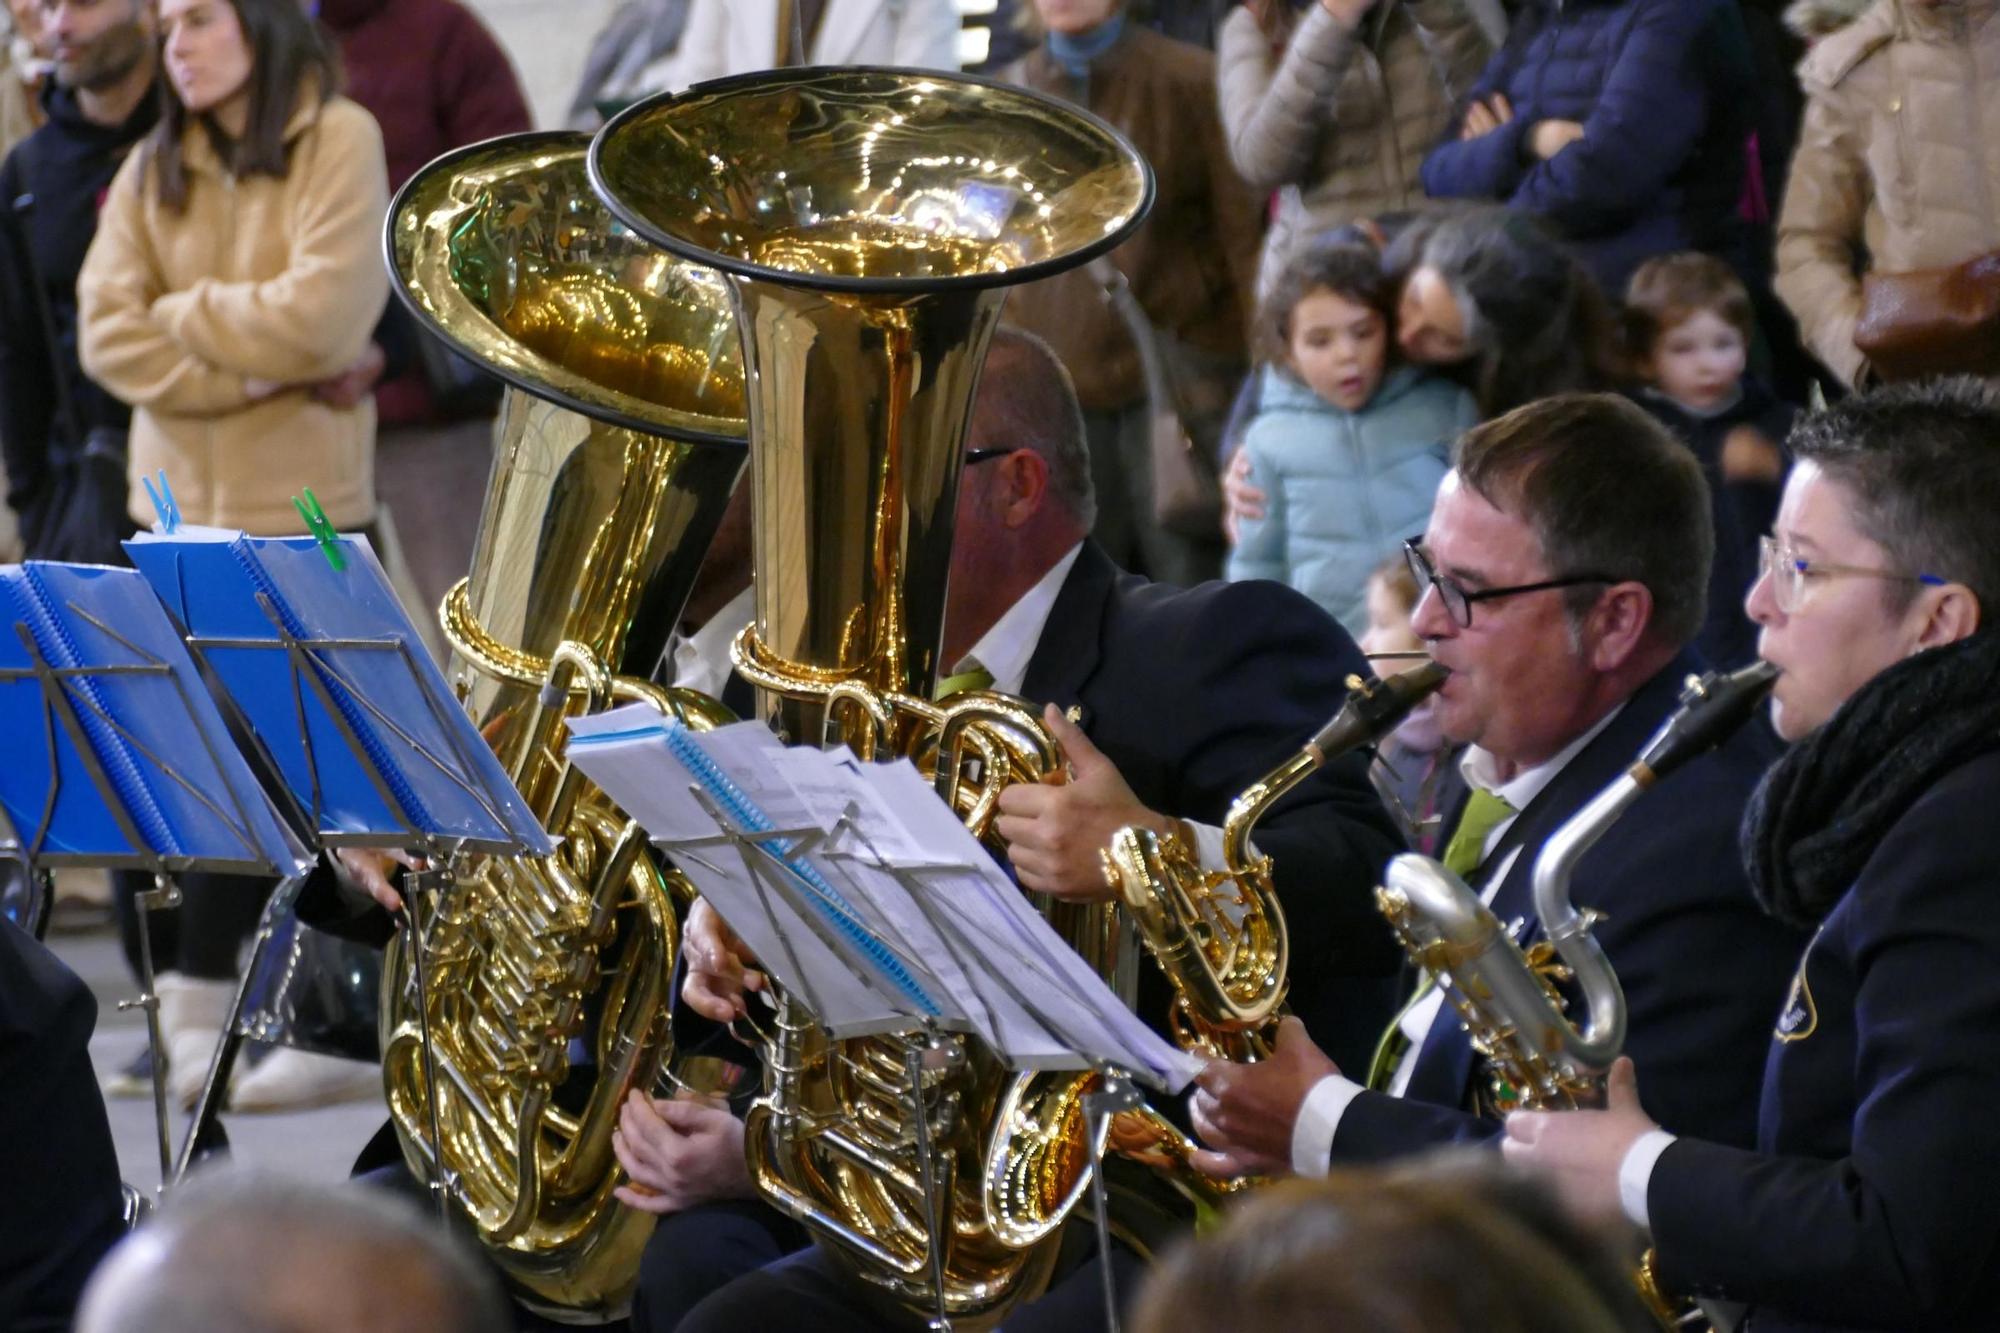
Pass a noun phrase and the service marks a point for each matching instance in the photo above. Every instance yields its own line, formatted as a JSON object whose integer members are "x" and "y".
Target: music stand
{"x": 328, "y": 677}
{"x": 135, "y": 769}
{"x": 883, "y": 951}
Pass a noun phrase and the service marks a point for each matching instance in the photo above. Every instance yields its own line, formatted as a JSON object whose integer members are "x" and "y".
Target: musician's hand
{"x": 367, "y": 869}
{"x": 1486, "y": 117}
{"x": 1245, "y": 1113}
{"x": 1549, "y": 137}
{"x": 1241, "y": 498}
{"x": 1582, "y": 1151}
{"x": 1056, "y": 833}
{"x": 719, "y": 970}
{"x": 680, "y": 1153}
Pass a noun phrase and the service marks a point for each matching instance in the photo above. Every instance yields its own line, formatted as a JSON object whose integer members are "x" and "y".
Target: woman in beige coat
{"x": 229, "y": 296}
{"x": 1334, "y": 108}
{"x": 236, "y": 277}
{"x": 1898, "y": 166}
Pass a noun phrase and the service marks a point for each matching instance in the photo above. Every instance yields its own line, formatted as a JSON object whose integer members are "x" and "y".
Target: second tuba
{"x": 869, "y": 222}
{"x": 620, "y": 439}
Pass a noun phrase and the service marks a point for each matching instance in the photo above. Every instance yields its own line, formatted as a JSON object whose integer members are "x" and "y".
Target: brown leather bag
{"x": 1933, "y": 321}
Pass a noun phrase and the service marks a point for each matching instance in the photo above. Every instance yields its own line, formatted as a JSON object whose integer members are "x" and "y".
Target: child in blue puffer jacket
{"x": 1348, "y": 448}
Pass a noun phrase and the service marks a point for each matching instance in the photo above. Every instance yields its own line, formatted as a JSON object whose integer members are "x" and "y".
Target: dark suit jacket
{"x": 60, "y": 1207}
{"x": 1870, "y": 1202}
{"x": 1194, "y": 694}
{"x": 1702, "y": 967}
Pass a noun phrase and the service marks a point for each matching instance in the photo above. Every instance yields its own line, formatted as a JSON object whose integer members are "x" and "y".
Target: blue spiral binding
{"x": 406, "y": 796}
{"x": 833, "y": 906}
{"x": 52, "y": 639}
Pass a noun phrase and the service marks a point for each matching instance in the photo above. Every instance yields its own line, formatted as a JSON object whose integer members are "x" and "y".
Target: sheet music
{"x": 913, "y": 896}
{"x": 146, "y": 720}
{"x": 440, "y": 775}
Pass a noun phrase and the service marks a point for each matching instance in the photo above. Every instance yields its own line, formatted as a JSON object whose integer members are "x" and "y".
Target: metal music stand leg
{"x": 1116, "y": 1094}
{"x": 440, "y": 1182}
{"x": 214, "y": 1090}
{"x": 161, "y": 896}
{"x": 914, "y": 1064}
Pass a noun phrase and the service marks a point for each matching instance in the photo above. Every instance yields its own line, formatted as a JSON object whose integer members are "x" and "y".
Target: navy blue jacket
{"x": 1703, "y": 969}
{"x": 1659, "y": 167}
{"x": 1870, "y": 1200}
{"x": 1194, "y": 693}
{"x": 1742, "y": 511}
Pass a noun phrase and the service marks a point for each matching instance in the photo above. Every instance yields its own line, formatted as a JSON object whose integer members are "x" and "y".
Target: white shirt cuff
{"x": 1319, "y": 1117}
{"x": 1635, "y": 1173}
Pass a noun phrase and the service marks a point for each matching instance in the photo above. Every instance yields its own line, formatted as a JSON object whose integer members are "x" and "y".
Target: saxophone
{"x": 620, "y": 440}
{"x": 868, "y": 222}
{"x": 1219, "y": 936}
{"x": 1535, "y": 1056}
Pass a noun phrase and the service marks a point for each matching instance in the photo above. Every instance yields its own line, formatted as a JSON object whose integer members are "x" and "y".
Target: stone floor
{"x": 320, "y": 1144}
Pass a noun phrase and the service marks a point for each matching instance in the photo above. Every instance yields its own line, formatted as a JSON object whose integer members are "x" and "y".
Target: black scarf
{"x": 1822, "y": 809}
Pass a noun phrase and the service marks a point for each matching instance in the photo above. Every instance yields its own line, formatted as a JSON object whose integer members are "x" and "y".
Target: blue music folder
{"x": 329, "y": 673}
{"x": 100, "y": 707}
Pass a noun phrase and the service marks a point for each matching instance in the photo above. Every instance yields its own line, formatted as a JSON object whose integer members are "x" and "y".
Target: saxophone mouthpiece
{"x": 1712, "y": 708}
{"x": 1374, "y": 707}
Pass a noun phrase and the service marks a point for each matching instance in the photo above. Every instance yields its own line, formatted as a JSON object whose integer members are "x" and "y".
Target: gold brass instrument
{"x": 1535, "y": 1056}
{"x": 1220, "y": 938}
{"x": 869, "y": 221}
{"x": 620, "y": 440}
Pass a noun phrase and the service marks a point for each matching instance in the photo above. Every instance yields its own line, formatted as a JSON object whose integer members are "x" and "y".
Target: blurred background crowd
{"x": 1378, "y": 223}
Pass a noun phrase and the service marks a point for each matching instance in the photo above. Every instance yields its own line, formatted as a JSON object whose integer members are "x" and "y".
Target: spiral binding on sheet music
{"x": 413, "y": 807}
{"x": 834, "y": 907}
{"x": 54, "y": 642}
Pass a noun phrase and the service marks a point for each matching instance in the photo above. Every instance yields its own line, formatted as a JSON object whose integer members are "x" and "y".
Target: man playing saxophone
{"x": 1867, "y": 1201}
{"x": 1178, "y": 700}
{"x": 1564, "y": 573}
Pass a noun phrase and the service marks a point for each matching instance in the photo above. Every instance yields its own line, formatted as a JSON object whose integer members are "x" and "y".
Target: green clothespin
{"x": 321, "y": 529}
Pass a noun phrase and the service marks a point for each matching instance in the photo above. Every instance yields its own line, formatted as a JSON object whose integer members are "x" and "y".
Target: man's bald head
{"x": 257, "y": 1254}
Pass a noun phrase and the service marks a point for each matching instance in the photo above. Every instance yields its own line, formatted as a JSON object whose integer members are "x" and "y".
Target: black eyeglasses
{"x": 1458, "y": 602}
{"x": 973, "y": 456}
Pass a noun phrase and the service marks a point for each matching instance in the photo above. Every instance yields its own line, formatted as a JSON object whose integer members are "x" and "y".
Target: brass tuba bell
{"x": 620, "y": 440}
{"x": 869, "y": 222}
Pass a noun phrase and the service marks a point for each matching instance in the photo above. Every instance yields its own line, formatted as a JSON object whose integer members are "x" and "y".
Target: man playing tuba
{"x": 1181, "y": 698}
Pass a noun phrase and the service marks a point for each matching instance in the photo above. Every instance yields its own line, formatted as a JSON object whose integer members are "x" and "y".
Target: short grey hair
{"x": 258, "y": 1253}
{"x": 1026, "y": 399}
{"x": 1921, "y": 467}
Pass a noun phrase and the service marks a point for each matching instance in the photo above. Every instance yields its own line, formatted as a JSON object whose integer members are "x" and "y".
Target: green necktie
{"x": 974, "y": 677}
{"x": 1483, "y": 812}
{"x": 1467, "y": 848}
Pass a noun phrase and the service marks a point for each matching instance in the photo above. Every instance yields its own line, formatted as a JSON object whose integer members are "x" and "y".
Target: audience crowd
{"x": 1379, "y": 224}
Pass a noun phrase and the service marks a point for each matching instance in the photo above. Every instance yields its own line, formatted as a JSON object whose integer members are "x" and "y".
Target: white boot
{"x": 292, "y": 1080}
{"x": 192, "y": 1012}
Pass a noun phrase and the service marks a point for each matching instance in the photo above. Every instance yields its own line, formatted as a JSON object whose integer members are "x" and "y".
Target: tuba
{"x": 869, "y": 221}
{"x": 620, "y": 439}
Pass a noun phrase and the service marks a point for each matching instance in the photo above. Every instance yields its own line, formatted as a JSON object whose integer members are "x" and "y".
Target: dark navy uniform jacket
{"x": 1873, "y": 1199}
{"x": 1702, "y": 967}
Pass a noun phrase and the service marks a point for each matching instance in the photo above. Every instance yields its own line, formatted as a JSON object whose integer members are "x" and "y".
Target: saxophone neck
{"x": 1372, "y": 709}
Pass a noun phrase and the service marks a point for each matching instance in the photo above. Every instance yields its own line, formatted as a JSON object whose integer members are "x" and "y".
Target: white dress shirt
{"x": 700, "y": 660}
{"x": 1006, "y": 649}
{"x": 1320, "y": 1113}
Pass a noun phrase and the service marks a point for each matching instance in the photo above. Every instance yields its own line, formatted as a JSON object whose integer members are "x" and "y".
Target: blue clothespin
{"x": 321, "y": 529}
{"x": 164, "y": 505}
